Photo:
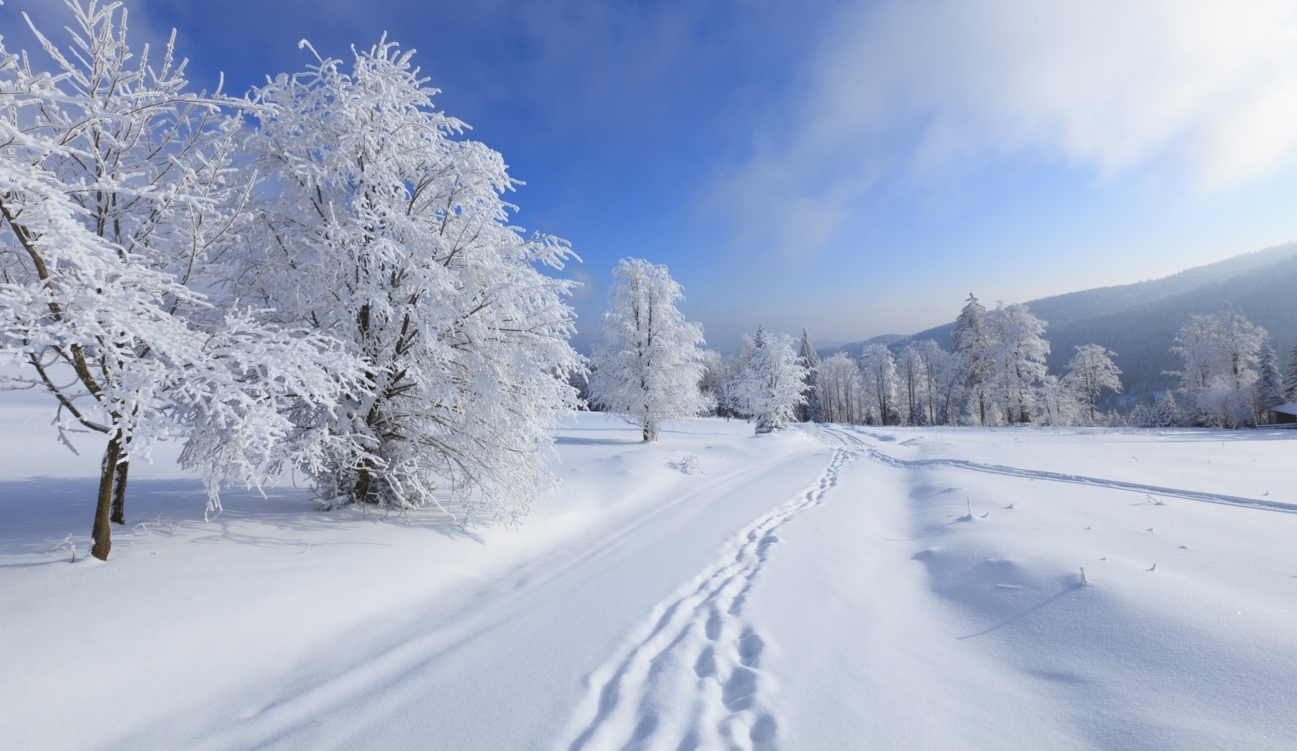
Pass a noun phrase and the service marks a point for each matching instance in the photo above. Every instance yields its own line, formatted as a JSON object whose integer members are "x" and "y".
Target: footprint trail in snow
{"x": 691, "y": 676}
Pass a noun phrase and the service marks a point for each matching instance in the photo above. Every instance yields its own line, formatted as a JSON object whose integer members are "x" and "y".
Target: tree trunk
{"x": 102, "y": 533}
{"x": 119, "y": 493}
{"x": 362, "y": 483}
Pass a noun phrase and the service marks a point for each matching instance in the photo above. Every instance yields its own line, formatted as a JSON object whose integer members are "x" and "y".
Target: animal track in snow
{"x": 691, "y": 677}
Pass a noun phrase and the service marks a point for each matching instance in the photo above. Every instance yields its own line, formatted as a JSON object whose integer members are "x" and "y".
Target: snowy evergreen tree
{"x": 649, "y": 368}
{"x": 1090, "y": 371}
{"x": 1016, "y": 356}
{"x": 878, "y": 373}
{"x": 1166, "y": 412}
{"x": 1141, "y": 416}
{"x": 774, "y": 382}
{"x": 1269, "y": 384}
{"x": 972, "y": 342}
{"x": 122, "y": 204}
{"x": 392, "y": 237}
{"x": 811, "y": 411}
{"x": 1290, "y": 375}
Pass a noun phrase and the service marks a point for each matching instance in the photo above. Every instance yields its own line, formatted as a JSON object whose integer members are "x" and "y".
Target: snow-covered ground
{"x": 793, "y": 591}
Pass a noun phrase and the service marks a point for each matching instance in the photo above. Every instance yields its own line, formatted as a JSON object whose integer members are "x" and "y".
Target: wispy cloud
{"x": 1202, "y": 91}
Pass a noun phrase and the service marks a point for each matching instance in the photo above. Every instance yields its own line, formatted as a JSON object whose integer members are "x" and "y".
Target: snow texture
{"x": 873, "y": 587}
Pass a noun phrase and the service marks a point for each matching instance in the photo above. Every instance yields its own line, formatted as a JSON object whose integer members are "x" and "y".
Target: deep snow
{"x": 790, "y": 591}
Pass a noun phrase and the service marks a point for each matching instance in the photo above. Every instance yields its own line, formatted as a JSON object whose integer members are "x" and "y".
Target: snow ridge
{"x": 1036, "y": 474}
{"x": 690, "y": 677}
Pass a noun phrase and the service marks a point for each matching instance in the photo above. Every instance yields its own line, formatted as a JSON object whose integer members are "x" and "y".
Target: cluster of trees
{"x": 320, "y": 274}
{"x": 652, "y": 369}
{"x": 995, "y": 375}
{"x": 1230, "y": 376}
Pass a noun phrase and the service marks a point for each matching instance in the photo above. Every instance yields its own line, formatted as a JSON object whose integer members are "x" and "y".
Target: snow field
{"x": 771, "y": 592}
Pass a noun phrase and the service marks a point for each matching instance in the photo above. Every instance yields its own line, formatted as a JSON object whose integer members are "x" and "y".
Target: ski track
{"x": 1035, "y": 474}
{"x": 690, "y": 677}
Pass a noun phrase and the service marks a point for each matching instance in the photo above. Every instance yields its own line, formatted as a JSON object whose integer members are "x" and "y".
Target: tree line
{"x": 995, "y": 374}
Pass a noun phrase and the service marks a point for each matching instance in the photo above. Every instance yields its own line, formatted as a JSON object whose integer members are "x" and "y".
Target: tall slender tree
{"x": 812, "y": 411}
{"x": 878, "y": 372}
{"x": 972, "y": 342}
{"x": 1290, "y": 375}
{"x": 1269, "y": 384}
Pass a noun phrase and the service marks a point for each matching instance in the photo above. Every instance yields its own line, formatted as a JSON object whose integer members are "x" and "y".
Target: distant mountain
{"x": 853, "y": 349}
{"x": 1139, "y": 321}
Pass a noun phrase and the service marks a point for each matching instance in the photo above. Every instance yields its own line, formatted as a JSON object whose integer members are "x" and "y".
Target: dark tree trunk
{"x": 119, "y": 493}
{"x": 102, "y": 533}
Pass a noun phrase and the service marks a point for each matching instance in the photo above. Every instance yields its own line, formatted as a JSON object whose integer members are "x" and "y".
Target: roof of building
{"x": 1288, "y": 409}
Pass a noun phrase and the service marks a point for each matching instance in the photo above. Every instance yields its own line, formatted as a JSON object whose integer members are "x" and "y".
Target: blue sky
{"x": 853, "y": 167}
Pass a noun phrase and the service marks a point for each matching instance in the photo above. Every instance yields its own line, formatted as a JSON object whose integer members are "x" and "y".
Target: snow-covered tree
{"x": 649, "y": 368}
{"x": 840, "y": 389}
{"x": 811, "y": 411}
{"x": 972, "y": 342}
{"x": 1016, "y": 356}
{"x": 122, "y": 204}
{"x": 1058, "y": 402}
{"x": 1269, "y": 391}
{"x": 775, "y": 380}
{"x": 1290, "y": 375}
{"x": 1166, "y": 412}
{"x": 1221, "y": 354}
{"x": 911, "y": 376}
{"x": 943, "y": 382}
{"x": 392, "y": 236}
{"x": 878, "y": 374}
{"x": 1090, "y": 371}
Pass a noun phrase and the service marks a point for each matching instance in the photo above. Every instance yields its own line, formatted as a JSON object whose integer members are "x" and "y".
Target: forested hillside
{"x": 1139, "y": 321}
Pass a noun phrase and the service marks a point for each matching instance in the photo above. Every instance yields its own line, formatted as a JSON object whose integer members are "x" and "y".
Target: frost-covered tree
{"x": 391, "y": 235}
{"x": 1221, "y": 354}
{"x": 649, "y": 368}
{"x": 123, "y": 202}
{"x": 1090, "y": 371}
{"x": 1269, "y": 391}
{"x": 840, "y": 389}
{"x": 811, "y": 411}
{"x": 878, "y": 373}
{"x": 1166, "y": 412}
{"x": 1058, "y": 402}
{"x": 972, "y": 345}
{"x": 910, "y": 376}
{"x": 943, "y": 382}
{"x": 1290, "y": 375}
{"x": 775, "y": 380}
{"x": 1016, "y": 356}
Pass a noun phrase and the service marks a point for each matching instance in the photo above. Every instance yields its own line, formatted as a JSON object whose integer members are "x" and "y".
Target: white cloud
{"x": 1203, "y": 90}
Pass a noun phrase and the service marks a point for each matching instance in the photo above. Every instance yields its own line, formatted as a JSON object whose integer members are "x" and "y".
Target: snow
{"x": 799, "y": 590}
